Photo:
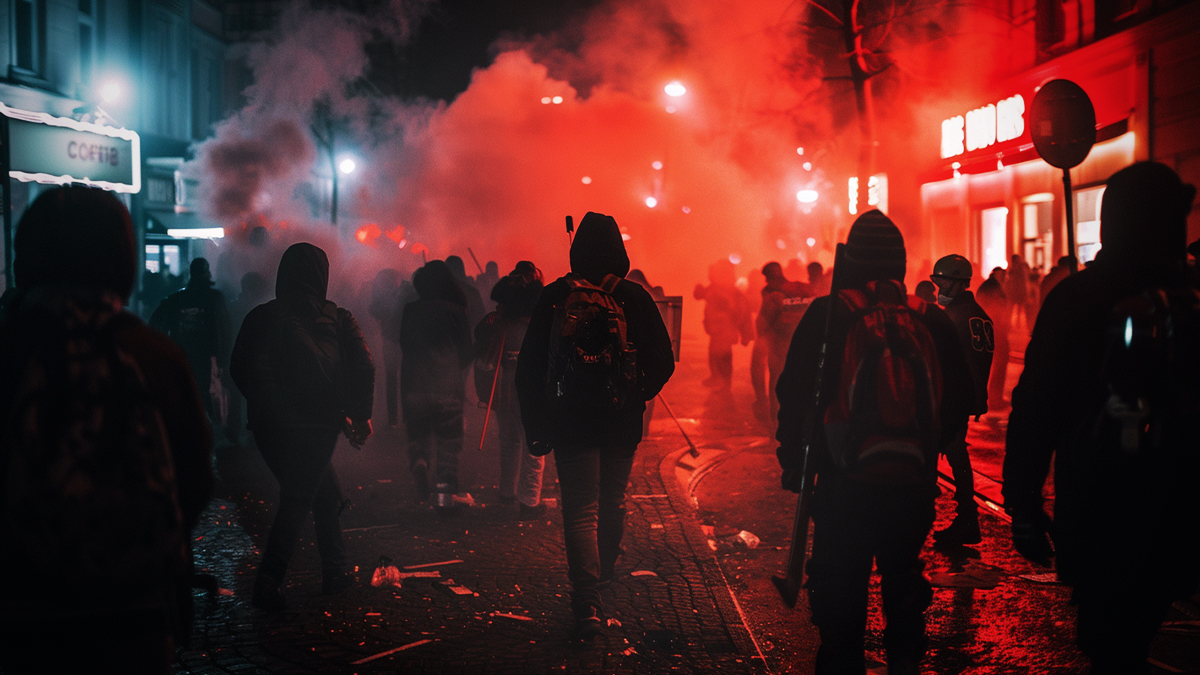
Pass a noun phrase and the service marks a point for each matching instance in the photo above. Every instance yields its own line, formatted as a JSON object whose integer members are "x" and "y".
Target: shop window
{"x": 153, "y": 258}
{"x": 993, "y": 239}
{"x": 170, "y": 258}
{"x": 1037, "y": 232}
{"x": 1087, "y": 222}
{"x": 29, "y": 30}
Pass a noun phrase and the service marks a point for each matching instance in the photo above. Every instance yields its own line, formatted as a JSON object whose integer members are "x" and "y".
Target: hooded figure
{"x": 307, "y": 375}
{"x": 593, "y": 449}
{"x": 74, "y": 270}
{"x": 435, "y": 343}
{"x": 1126, "y": 524}
{"x": 197, "y": 319}
{"x": 726, "y": 318}
{"x": 862, "y": 517}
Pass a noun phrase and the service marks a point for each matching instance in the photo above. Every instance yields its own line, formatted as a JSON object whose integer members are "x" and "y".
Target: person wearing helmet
{"x": 952, "y": 275}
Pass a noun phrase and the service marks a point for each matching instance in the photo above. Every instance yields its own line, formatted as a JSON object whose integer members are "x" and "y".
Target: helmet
{"x": 953, "y": 267}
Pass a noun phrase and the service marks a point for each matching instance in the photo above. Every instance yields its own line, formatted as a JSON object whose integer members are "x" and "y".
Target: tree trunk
{"x": 864, "y": 103}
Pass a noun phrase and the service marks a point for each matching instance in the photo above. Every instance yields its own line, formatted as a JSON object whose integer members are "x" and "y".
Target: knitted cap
{"x": 874, "y": 250}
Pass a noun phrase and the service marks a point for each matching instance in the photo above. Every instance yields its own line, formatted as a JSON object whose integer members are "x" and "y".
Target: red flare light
{"x": 368, "y": 233}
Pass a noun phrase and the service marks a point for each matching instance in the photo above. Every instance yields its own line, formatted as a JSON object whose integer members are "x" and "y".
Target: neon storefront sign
{"x": 984, "y": 127}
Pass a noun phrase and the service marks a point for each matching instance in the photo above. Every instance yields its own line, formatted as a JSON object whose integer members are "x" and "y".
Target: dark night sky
{"x": 457, "y": 35}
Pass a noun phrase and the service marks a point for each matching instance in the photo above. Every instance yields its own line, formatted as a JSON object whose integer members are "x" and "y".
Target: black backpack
{"x": 91, "y": 516}
{"x": 593, "y": 366}
{"x": 1149, "y": 377}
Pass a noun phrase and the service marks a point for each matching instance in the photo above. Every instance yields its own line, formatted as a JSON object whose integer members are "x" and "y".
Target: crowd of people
{"x": 107, "y": 454}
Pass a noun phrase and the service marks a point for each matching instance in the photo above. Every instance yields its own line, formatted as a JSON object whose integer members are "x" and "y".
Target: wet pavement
{"x": 485, "y": 592}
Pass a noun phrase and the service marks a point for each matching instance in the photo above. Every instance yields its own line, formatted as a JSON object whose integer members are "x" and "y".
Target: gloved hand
{"x": 540, "y": 448}
{"x": 793, "y": 475}
{"x": 1031, "y": 535}
{"x": 357, "y": 432}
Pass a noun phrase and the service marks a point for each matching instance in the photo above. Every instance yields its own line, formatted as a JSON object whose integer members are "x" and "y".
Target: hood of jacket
{"x": 598, "y": 249}
{"x": 303, "y": 273}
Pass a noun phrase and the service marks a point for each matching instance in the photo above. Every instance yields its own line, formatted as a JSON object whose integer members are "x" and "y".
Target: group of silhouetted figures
{"x": 107, "y": 442}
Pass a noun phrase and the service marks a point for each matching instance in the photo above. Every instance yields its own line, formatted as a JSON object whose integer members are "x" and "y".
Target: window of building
{"x": 29, "y": 31}
{"x": 1087, "y": 222}
{"x": 993, "y": 238}
{"x": 1037, "y": 232}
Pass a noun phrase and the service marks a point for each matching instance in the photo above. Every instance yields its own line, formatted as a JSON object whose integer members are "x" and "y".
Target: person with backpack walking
{"x": 498, "y": 341}
{"x": 595, "y": 352}
{"x": 307, "y": 375}
{"x": 892, "y": 372}
{"x": 1111, "y": 390}
{"x": 436, "y": 349}
{"x": 197, "y": 319}
{"x": 952, "y": 275}
{"x": 106, "y": 455}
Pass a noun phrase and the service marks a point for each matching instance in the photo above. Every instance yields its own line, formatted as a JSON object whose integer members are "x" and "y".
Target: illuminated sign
{"x": 877, "y": 192}
{"x": 58, "y": 150}
{"x": 984, "y": 127}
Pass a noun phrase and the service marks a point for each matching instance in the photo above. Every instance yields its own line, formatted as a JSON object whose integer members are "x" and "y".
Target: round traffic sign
{"x": 1062, "y": 123}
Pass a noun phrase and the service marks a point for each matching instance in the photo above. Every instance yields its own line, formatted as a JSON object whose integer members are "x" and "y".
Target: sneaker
{"x": 588, "y": 625}
{"x": 267, "y": 595}
{"x": 531, "y": 512}
{"x": 964, "y": 531}
{"x": 336, "y": 582}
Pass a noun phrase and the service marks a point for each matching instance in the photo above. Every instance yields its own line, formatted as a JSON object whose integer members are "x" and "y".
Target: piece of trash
{"x": 656, "y": 526}
{"x": 373, "y": 614}
{"x": 433, "y": 564}
{"x": 464, "y": 499}
{"x": 389, "y": 652}
{"x": 707, "y": 530}
{"x": 712, "y": 543}
{"x": 747, "y": 538}
{"x": 224, "y": 591}
{"x": 1047, "y": 578}
{"x": 614, "y": 622}
{"x": 456, "y": 589}
{"x": 419, "y": 575}
{"x": 629, "y": 652}
{"x": 518, "y": 617}
{"x": 643, "y": 573}
{"x": 385, "y": 573}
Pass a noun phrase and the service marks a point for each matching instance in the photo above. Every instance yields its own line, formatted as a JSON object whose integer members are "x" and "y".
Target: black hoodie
{"x": 596, "y": 252}
{"x": 300, "y": 360}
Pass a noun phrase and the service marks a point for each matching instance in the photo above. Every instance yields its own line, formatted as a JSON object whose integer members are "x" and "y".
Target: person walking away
{"x": 893, "y": 371}
{"x": 498, "y": 340}
{"x": 106, "y": 453}
{"x": 976, "y": 335}
{"x": 475, "y": 308}
{"x": 197, "y": 319}
{"x": 254, "y": 291}
{"x": 992, "y": 300}
{"x": 385, "y": 302}
{"x": 1060, "y": 271}
{"x": 307, "y": 375}
{"x": 1111, "y": 391}
{"x": 1016, "y": 289}
{"x": 726, "y": 317}
{"x": 595, "y": 352}
{"x": 783, "y": 305}
{"x": 435, "y": 342}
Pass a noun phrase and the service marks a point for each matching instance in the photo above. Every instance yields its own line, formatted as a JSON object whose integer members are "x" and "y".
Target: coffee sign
{"x": 47, "y": 149}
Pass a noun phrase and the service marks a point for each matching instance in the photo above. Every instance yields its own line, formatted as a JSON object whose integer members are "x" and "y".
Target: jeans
{"x": 300, "y": 460}
{"x": 592, "y": 481}
{"x": 435, "y": 427}
{"x": 855, "y": 524}
{"x": 960, "y": 467}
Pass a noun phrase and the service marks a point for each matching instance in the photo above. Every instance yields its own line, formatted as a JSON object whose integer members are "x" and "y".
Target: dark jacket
{"x": 978, "y": 338}
{"x": 1105, "y": 512}
{"x": 197, "y": 319}
{"x": 435, "y": 337}
{"x": 596, "y": 252}
{"x": 797, "y": 381}
{"x": 300, "y": 360}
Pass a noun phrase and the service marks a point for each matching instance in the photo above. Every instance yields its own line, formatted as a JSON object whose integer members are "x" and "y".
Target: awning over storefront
{"x": 185, "y": 225}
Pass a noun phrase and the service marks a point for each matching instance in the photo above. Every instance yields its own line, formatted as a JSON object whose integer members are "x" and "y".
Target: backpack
{"x": 1150, "y": 375}
{"x": 883, "y": 425}
{"x": 592, "y": 365}
{"x": 91, "y": 518}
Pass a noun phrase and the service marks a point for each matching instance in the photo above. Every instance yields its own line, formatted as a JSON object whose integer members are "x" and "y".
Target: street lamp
{"x": 675, "y": 89}
{"x": 347, "y": 166}
{"x": 110, "y": 92}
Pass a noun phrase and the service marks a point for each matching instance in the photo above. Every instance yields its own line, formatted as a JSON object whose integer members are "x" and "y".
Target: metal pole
{"x": 1069, "y": 203}
{"x": 333, "y": 165}
{"x": 6, "y": 203}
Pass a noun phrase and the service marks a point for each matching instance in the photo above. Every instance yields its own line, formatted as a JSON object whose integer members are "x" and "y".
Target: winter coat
{"x": 597, "y": 251}
{"x": 300, "y": 360}
{"x": 197, "y": 319}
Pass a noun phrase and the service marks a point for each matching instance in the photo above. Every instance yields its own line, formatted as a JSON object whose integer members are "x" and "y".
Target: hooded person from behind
{"x": 307, "y": 375}
{"x": 1126, "y": 524}
{"x": 435, "y": 343}
{"x": 868, "y": 506}
{"x": 74, "y": 269}
{"x": 594, "y": 446}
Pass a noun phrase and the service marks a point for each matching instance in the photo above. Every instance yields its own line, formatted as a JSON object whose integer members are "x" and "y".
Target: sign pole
{"x": 6, "y": 202}
{"x": 1069, "y": 204}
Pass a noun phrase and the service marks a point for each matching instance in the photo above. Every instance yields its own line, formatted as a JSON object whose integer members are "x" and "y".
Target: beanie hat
{"x": 874, "y": 250}
{"x": 1143, "y": 216}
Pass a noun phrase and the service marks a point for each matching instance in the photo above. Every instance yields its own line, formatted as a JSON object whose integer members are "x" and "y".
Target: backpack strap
{"x": 609, "y": 283}
{"x": 854, "y": 298}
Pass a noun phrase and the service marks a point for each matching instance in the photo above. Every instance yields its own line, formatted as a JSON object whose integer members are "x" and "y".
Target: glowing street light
{"x": 110, "y": 91}
{"x": 347, "y": 166}
{"x": 651, "y": 202}
{"x": 675, "y": 89}
{"x": 807, "y": 196}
